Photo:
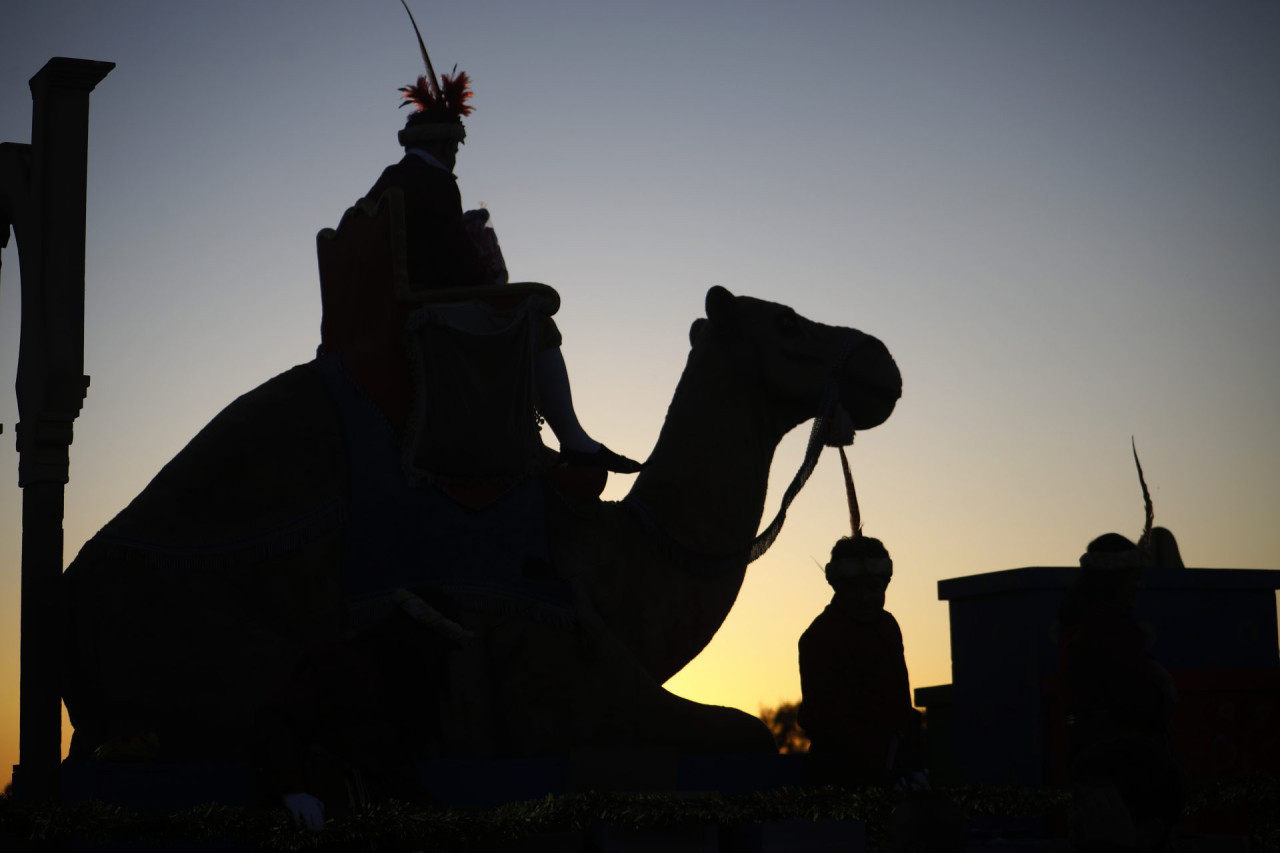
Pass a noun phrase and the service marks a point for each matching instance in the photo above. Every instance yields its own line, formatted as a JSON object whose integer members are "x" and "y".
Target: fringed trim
{"x": 217, "y": 555}
{"x": 675, "y": 552}
{"x": 715, "y": 565}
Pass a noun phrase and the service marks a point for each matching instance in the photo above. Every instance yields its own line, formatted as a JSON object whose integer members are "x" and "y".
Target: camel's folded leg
{"x": 555, "y": 687}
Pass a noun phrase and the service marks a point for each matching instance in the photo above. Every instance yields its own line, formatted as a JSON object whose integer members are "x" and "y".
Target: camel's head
{"x": 796, "y": 359}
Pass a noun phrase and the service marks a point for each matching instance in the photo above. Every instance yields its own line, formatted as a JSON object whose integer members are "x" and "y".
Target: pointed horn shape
{"x": 1145, "y": 541}
{"x": 855, "y": 517}
{"x": 431, "y": 72}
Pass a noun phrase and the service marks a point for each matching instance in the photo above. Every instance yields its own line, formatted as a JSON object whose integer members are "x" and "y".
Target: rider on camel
{"x": 442, "y": 250}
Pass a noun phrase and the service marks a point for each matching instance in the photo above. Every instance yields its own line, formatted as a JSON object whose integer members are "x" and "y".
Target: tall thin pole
{"x": 42, "y": 195}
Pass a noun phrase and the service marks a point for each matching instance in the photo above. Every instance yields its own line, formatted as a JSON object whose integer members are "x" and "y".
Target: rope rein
{"x": 855, "y": 515}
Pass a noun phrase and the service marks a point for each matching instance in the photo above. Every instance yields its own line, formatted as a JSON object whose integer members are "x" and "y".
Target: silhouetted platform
{"x": 999, "y": 719}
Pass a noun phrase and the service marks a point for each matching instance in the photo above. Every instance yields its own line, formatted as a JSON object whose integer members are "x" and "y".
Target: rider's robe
{"x": 439, "y": 251}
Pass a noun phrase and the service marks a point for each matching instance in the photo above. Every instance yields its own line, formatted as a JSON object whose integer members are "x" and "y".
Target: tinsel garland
{"x": 451, "y": 827}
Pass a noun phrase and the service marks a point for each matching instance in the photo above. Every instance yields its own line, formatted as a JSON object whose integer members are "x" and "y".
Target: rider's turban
{"x": 859, "y": 557}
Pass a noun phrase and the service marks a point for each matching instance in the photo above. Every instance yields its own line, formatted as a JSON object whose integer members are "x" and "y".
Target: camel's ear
{"x": 695, "y": 328}
{"x": 722, "y": 310}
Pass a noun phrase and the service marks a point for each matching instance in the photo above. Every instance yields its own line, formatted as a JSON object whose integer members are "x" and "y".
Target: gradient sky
{"x": 1062, "y": 217}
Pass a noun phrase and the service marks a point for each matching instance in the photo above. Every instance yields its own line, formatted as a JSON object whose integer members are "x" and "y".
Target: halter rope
{"x": 855, "y": 516}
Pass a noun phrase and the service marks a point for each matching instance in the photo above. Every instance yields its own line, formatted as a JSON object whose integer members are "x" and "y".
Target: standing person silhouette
{"x": 856, "y": 705}
{"x": 1127, "y": 780}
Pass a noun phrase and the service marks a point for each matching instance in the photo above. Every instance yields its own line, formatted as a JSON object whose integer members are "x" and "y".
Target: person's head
{"x": 435, "y": 125}
{"x": 859, "y": 572}
{"x": 1113, "y": 563}
{"x": 435, "y": 133}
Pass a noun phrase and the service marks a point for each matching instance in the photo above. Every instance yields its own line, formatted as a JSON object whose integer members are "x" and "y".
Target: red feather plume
{"x": 454, "y": 92}
{"x": 419, "y": 94}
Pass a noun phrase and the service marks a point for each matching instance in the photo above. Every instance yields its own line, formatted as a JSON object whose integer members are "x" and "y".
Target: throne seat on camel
{"x": 469, "y": 351}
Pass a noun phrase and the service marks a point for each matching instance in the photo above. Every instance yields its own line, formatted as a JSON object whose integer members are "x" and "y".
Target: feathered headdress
{"x": 440, "y": 103}
{"x": 449, "y": 96}
{"x": 1113, "y": 551}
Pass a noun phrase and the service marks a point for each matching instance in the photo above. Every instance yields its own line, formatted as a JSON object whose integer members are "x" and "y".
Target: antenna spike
{"x": 1145, "y": 541}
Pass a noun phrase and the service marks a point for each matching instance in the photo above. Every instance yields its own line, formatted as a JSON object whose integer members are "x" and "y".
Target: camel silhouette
{"x": 187, "y": 611}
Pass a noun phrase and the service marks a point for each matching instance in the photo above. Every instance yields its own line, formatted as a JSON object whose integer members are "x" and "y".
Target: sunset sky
{"x": 1063, "y": 218}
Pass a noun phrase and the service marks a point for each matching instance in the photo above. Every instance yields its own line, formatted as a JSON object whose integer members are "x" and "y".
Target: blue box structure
{"x": 999, "y": 721}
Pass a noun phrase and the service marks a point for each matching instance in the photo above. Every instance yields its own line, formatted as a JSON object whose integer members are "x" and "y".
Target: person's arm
{"x": 445, "y": 246}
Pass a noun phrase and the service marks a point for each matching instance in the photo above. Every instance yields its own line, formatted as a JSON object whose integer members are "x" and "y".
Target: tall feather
{"x": 1145, "y": 542}
{"x": 431, "y": 72}
{"x": 855, "y": 517}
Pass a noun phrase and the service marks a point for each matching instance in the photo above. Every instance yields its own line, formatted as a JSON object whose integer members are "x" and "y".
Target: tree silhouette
{"x": 782, "y": 722}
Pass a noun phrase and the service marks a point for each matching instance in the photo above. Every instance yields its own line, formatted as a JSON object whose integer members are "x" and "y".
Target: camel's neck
{"x": 706, "y": 478}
